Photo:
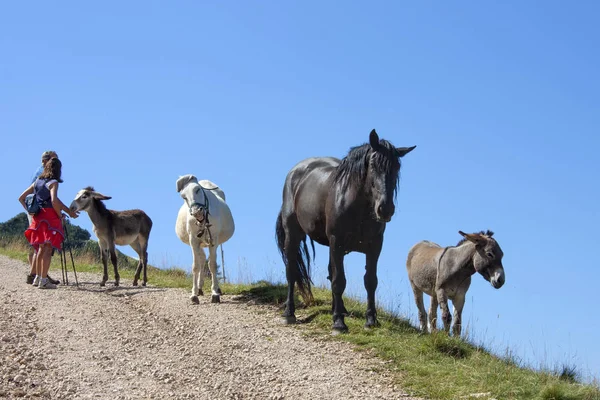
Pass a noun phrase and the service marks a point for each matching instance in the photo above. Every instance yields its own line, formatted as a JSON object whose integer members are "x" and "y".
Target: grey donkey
{"x": 445, "y": 273}
{"x": 130, "y": 227}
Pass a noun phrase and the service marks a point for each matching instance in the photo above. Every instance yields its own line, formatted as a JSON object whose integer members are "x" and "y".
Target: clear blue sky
{"x": 501, "y": 99}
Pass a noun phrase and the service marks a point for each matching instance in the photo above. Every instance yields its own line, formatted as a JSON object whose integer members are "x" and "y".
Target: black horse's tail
{"x": 302, "y": 267}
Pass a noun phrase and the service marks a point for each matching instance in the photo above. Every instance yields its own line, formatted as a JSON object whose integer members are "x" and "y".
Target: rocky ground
{"x": 131, "y": 343}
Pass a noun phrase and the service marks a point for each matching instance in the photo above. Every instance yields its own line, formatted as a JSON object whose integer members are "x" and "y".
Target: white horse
{"x": 204, "y": 220}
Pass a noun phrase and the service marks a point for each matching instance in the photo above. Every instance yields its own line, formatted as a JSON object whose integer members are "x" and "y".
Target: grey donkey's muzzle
{"x": 497, "y": 277}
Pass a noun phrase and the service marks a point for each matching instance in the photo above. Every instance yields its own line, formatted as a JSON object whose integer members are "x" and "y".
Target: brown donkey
{"x": 130, "y": 227}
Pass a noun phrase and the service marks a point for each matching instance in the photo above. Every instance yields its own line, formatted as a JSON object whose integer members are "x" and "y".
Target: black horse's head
{"x": 382, "y": 175}
{"x": 374, "y": 168}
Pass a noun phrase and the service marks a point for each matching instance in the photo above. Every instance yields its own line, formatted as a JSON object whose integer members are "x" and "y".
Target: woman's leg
{"x": 45, "y": 255}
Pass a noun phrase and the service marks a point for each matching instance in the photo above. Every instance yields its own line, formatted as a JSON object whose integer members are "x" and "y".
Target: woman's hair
{"x": 52, "y": 170}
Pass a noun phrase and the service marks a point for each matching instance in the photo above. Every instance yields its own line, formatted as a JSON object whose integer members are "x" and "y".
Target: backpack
{"x": 33, "y": 202}
{"x": 33, "y": 207}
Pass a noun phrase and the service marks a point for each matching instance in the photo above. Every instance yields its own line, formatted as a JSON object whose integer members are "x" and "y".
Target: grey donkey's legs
{"x": 422, "y": 313}
{"x": 458, "y": 302}
{"x": 433, "y": 305}
{"x": 443, "y": 300}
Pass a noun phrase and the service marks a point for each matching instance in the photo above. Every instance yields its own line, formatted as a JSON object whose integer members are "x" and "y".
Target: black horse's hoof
{"x": 372, "y": 323}
{"x": 339, "y": 327}
{"x": 215, "y": 298}
{"x": 134, "y": 283}
{"x": 339, "y": 331}
{"x": 143, "y": 283}
{"x": 288, "y": 319}
{"x": 116, "y": 283}
{"x": 219, "y": 291}
{"x": 102, "y": 284}
{"x": 195, "y": 300}
{"x": 200, "y": 292}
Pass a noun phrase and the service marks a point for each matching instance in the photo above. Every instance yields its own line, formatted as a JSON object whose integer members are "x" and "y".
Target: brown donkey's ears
{"x": 473, "y": 237}
{"x": 100, "y": 196}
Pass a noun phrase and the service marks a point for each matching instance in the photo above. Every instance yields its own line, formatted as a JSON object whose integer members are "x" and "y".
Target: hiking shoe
{"x": 30, "y": 279}
{"x": 46, "y": 284}
{"x": 36, "y": 281}
{"x": 53, "y": 281}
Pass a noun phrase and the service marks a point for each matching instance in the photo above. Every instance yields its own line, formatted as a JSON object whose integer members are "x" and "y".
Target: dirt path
{"x": 154, "y": 343}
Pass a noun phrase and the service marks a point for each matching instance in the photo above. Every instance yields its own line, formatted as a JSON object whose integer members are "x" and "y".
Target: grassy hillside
{"x": 434, "y": 366}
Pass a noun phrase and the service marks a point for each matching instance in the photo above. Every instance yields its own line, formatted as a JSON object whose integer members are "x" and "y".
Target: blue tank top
{"x": 42, "y": 193}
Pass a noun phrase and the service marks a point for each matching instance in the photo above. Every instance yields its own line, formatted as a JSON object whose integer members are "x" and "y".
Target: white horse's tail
{"x": 223, "y": 263}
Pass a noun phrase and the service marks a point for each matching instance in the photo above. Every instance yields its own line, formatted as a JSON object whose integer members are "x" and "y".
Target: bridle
{"x": 204, "y": 224}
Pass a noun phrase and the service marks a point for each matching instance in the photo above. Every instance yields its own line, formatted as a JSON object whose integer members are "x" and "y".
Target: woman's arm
{"x": 23, "y": 195}
{"x": 57, "y": 204}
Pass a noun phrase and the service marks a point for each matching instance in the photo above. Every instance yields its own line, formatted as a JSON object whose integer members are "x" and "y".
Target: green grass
{"x": 434, "y": 366}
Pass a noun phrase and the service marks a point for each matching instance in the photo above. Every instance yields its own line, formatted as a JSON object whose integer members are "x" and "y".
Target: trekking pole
{"x": 63, "y": 260}
{"x": 71, "y": 253}
{"x": 63, "y": 267}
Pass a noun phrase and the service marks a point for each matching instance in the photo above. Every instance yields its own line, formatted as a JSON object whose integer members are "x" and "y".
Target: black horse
{"x": 343, "y": 204}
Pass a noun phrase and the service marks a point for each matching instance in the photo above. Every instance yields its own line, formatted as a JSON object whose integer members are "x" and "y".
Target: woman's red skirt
{"x": 46, "y": 227}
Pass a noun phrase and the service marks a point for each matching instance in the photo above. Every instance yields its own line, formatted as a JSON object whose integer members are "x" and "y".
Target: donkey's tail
{"x": 302, "y": 266}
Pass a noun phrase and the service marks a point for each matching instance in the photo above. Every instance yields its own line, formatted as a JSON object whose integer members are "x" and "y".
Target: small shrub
{"x": 568, "y": 373}
{"x": 449, "y": 346}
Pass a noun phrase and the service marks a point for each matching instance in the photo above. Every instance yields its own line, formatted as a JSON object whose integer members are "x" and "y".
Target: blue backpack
{"x": 35, "y": 203}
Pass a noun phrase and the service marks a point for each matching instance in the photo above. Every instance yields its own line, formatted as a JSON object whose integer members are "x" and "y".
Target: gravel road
{"x": 146, "y": 343}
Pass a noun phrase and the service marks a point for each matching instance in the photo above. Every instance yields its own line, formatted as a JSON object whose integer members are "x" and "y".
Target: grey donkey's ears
{"x": 184, "y": 180}
{"x": 473, "y": 237}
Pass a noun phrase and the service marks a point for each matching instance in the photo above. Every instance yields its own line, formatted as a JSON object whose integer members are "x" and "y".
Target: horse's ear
{"x": 183, "y": 181}
{"x": 473, "y": 237}
{"x": 374, "y": 139}
{"x": 402, "y": 151}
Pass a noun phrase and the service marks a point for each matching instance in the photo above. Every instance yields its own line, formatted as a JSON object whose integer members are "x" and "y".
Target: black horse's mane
{"x": 487, "y": 233}
{"x": 353, "y": 168}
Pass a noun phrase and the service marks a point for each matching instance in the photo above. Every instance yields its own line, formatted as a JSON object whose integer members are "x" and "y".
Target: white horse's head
{"x": 194, "y": 196}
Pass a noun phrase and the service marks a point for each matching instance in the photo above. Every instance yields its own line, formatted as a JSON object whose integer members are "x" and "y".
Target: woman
{"x": 46, "y": 156}
{"x": 45, "y": 233}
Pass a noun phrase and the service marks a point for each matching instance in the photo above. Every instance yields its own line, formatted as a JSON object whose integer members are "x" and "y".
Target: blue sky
{"x": 501, "y": 99}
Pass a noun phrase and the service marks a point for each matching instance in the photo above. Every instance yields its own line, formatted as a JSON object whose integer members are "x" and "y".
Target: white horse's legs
{"x": 458, "y": 302}
{"x": 199, "y": 260}
{"x": 212, "y": 264}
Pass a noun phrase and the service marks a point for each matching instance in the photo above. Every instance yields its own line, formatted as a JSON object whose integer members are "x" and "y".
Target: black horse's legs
{"x": 293, "y": 239}
{"x": 370, "y": 279}
{"x": 338, "y": 285}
